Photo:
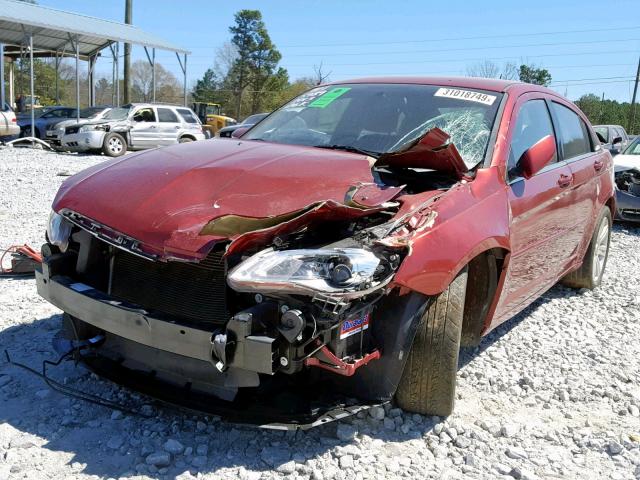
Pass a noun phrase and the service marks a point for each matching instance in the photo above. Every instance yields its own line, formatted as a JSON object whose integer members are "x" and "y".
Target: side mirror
{"x": 616, "y": 140}
{"x": 238, "y": 132}
{"x": 537, "y": 156}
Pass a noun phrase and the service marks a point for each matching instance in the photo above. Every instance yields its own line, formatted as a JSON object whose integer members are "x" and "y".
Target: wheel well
{"x": 188, "y": 136}
{"x": 482, "y": 283}
{"x": 611, "y": 205}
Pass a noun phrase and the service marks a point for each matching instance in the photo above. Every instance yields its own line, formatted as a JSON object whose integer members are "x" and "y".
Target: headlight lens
{"x": 328, "y": 271}
{"x": 58, "y": 231}
{"x": 93, "y": 128}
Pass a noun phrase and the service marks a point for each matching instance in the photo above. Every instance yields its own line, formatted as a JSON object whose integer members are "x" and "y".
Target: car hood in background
{"x": 170, "y": 199}
{"x": 626, "y": 162}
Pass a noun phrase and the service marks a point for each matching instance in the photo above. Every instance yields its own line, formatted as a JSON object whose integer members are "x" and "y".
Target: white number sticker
{"x": 467, "y": 95}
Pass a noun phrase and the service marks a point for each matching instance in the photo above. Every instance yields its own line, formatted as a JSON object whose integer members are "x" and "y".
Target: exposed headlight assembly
{"x": 58, "y": 231}
{"x": 93, "y": 128}
{"x": 344, "y": 272}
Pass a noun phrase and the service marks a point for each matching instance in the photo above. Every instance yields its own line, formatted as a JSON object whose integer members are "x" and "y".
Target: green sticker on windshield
{"x": 326, "y": 99}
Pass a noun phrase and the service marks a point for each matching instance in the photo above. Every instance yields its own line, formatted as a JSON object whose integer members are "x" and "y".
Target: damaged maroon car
{"x": 338, "y": 254}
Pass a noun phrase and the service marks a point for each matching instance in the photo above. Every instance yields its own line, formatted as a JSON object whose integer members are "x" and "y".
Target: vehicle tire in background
{"x": 428, "y": 382}
{"x": 26, "y": 132}
{"x": 114, "y": 145}
{"x": 185, "y": 140}
{"x": 590, "y": 273}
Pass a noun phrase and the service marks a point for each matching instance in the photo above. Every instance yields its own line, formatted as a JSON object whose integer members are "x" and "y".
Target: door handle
{"x": 565, "y": 180}
{"x": 152, "y": 126}
{"x": 597, "y": 165}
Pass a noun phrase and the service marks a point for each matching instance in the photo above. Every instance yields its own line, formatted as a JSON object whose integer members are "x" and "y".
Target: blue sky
{"x": 588, "y": 46}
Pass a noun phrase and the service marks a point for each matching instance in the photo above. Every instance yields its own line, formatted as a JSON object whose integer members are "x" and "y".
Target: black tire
{"x": 185, "y": 140}
{"x": 114, "y": 145}
{"x": 428, "y": 382}
{"x": 590, "y": 273}
{"x": 26, "y": 132}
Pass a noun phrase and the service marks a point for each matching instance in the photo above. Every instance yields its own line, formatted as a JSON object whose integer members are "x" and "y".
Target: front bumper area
{"x": 174, "y": 363}
{"x": 83, "y": 141}
{"x": 627, "y": 206}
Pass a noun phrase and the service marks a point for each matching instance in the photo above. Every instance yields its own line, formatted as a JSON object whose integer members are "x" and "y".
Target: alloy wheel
{"x": 600, "y": 250}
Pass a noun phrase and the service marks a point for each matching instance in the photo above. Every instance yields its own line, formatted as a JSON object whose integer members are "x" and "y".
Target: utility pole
{"x": 127, "y": 54}
{"x": 632, "y": 110}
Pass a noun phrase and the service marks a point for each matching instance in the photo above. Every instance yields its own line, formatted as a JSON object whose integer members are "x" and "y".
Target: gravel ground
{"x": 553, "y": 393}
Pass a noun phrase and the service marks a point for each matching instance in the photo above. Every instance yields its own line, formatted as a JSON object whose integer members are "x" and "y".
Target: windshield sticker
{"x": 329, "y": 97}
{"x": 468, "y": 95}
{"x": 303, "y": 100}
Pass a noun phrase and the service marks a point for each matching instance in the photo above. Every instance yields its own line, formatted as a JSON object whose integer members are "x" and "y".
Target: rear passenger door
{"x": 578, "y": 151}
{"x": 168, "y": 126}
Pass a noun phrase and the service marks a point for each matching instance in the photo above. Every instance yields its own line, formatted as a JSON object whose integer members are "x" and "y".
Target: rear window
{"x": 188, "y": 115}
{"x": 573, "y": 132}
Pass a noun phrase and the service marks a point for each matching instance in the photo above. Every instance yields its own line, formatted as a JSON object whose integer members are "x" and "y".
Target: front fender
{"x": 471, "y": 218}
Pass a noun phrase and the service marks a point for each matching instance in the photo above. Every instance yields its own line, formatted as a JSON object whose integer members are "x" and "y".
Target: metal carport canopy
{"x": 53, "y": 29}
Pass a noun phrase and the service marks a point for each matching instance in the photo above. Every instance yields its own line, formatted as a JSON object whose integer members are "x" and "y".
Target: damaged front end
{"x": 292, "y": 318}
{"x": 628, "y": 194}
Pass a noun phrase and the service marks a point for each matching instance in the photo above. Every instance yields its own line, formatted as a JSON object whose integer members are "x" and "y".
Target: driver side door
{"x": 540, "y": 208}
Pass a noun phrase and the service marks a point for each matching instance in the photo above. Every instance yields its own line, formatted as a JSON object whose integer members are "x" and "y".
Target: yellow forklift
{"x": 211, "y": 117}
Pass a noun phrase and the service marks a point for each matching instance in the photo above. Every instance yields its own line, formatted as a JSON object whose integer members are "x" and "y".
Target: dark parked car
{"x": 613, "y": 137}
{"x": 248, "y": 122}
{"x": 343, "y": 248}
{"x": 627, "y": 176}
{"x": 45, "y": 119}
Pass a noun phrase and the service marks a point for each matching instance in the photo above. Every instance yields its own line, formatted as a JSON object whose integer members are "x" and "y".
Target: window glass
{"x": 145, "y": 115}
{"x": 167, "y": 115}
{"x": 188, "y": 115}
{"x": 573, "y": 132}
{"x": 532, "y": 125}
{"x": 633, "y": 148}
{"x": 604, "y": 131}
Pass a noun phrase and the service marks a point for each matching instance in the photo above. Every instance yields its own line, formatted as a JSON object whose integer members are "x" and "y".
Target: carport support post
{"x": 183, "y": 67}
{"x": 117, "y": 74}
{"x": 153, "y": 73}
{"x": 77, "y": 45}
{"x": 33, "y": 118}
{"x": 92, "y": 86}
{"x": 2, "y": 95}
{"x": 57, "y": 75}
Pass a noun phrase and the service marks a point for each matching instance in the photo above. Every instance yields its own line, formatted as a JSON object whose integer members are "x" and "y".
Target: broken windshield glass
{"x": 383, "y": 119}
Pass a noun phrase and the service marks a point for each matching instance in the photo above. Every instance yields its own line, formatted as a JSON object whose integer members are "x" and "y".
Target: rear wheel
{"x": 428, "y": 382}
{"x": 114, "y": 145}
{"x": 590, "y": 273}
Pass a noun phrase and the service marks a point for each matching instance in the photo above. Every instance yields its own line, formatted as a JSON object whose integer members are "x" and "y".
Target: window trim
{"x": 551, "y": 166}
{"x": 559, "y": 137}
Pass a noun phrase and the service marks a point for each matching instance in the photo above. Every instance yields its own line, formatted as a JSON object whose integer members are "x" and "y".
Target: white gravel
{"x": 554, "y": 393}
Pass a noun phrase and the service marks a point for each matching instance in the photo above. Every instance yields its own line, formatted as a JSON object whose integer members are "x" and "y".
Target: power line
{"x": 449, "y": 39}
{"x": 448, "y": 50}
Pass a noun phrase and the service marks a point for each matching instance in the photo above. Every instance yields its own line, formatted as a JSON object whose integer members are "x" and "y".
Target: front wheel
{"x": 114, "y": 145}
{"x": 428, "y": 382}
{"x": 590, "y": 273}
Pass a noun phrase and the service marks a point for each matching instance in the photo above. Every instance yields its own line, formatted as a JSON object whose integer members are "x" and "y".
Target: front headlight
{"x": 58, "y": 231}
{"x": 93, "y": 128}
{"x": 340, "y": 271}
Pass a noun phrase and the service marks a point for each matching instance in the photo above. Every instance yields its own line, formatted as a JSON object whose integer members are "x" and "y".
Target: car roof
{"x": 490, "y": 84}
{"x": 615, "y": 126}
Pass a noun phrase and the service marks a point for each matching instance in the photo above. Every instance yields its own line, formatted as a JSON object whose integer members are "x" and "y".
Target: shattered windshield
{"x": 383, "y": 118}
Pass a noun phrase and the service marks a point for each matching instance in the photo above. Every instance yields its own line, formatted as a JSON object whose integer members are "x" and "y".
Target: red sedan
{"x": 343, "y": 248}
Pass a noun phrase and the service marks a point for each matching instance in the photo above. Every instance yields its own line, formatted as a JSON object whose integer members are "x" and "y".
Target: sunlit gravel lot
{"x": 554, "y": 393}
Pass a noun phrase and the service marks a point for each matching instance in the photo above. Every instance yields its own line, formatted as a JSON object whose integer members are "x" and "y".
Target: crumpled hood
{"x": 165, "y": 197}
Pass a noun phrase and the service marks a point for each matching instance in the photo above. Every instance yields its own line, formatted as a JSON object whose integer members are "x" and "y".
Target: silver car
{"x": 54, "y": 134}
{"x": 134, "y": 127}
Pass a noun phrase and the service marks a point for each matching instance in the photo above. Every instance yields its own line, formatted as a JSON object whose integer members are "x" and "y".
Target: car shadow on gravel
{"x": 96, "y": 440}
{"x": 99, "y": 441}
